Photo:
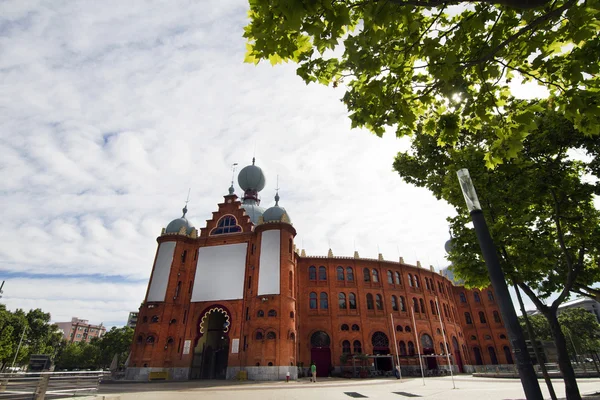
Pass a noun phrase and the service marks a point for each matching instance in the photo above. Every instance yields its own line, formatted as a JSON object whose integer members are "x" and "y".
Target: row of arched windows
{"x": 323, "y": 302}
{"x": 482, "y": 318}
{"x": 477, "y": 297}
{"x": 346, "y": 347}
{"x": 261, "y": 336}
{"x": 345, "y": 327}
{"x": 271, "y": 313}
{"x": 312, "y": 273}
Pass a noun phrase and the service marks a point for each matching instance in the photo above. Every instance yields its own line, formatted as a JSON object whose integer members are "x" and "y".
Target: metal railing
{"x": 49, "y": 385}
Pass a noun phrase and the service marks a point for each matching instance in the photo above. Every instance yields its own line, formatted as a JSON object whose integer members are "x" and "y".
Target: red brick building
{"x": 238, "y": 296}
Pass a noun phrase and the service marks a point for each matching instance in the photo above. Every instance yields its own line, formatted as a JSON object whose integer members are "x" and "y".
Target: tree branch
{"x": 536, "y": 300}
{"x": 521, "y": 4}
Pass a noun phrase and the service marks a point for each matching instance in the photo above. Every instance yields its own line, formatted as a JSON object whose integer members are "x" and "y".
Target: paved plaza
{"x": 467, "y": 388}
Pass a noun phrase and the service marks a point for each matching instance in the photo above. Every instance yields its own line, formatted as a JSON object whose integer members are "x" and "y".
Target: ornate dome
{"x": 175, "y": 225}
{"x": 252, "y": 177}
{"x": 276, "y": 213}
{"x": 253, "y": 210}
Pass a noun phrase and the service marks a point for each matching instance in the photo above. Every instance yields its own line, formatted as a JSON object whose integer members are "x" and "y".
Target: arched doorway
{"x": 381, "y": 346}
{"x": 320, "y": 352}
{"x": 477, "y": 354}
{"x": 427, "y": 346}
{"x": 457, "y": 355}
{"x": 493, "y": 357}
{"x": 211, "y": 352}
{"x": 508, "y": 355}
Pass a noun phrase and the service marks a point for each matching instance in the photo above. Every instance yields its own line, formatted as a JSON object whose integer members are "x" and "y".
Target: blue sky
{"x": 110, "y": 111}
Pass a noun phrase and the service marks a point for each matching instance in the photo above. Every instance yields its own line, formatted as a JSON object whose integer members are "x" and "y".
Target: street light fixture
{"x": 527, "y": 374}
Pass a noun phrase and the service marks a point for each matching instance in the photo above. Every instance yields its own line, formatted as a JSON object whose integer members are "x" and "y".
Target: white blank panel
{"x": 162, "y": 268}
{"x": 220, "y": 272}
{"x": 268, "y": 269}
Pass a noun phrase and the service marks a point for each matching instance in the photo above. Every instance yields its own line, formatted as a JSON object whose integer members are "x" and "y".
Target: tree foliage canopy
{"x": 445, "y": 65}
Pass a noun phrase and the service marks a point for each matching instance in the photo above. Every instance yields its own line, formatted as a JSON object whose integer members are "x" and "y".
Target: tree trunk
{"x": 564, "y": 363}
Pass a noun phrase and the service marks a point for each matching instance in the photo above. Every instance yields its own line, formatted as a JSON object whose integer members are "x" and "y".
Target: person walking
{"x": 313, "y": 370}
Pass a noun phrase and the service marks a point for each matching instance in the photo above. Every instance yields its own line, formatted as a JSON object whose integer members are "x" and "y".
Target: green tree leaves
{"x": 407, "y": 63}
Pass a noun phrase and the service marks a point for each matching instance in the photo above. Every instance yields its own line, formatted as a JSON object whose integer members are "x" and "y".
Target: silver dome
{"x": 253, "y": 210}
{"x": 175, "y": 225}
{"x": 274, "y": 214}
{"x": 252, "y": 177}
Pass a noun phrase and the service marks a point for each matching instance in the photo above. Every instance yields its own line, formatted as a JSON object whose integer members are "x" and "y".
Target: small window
{"x": 183, "y": 256}
{"x": 140, "y": 339}
{"x": 432, "y": 307}
{"x": 477, "y": 298}
{"x": 345, "y": 327}
{"x": 291, "y": 246}
{"x": 503, "y": 336}
{"x": 379, "y": 302}
{"x": 150, "y": 339}
{"x": 349, "y": 274}
{"x": 438, "y": 331}
{"x": 482, "y": 317}
{"x": 271, "y": 335}
{"x": 490, "y": 296}
{"x": 375, "y": 275}
{"x": 402, "y": 348}
{"x": 367, "y": 275}
{"x": 227, "y": 224}
{"x": 370, "y": 305}
{"x": 324, "y": 304}
{"x": 154, "y": 319}
{"x": 394, "y": 303}
{"x": 260, "y": 314}
{"x": 257, "y": 364}
{"x": 417, "y": 281}
{"x": 411, "y": 349}
{"x": 312, "y": 273}
{"x": 402, "y": 304}
{"x": 342, "y": 301}
{"x": 390, "y": 277}
{"x": 346, "y": 347}
{"x": 415, "y": 304}
{"x": 410, "y": 280}
{"x": 322, "y": 273}
{"x": 313, "y": 301}
{"x": 468, "y": 319}
{"x": 473, "y": 337}
{"x": 497, "y": 317}
{"x": 399, "y": 328}
{"x": 422, "y": 305}
{"x": 272, "y": 313}
{"x": 355, "y": 328}
{"x": 352, "y": 301}
{"x": 357, "y": 347}
{"x": 259, "y": 336}
{"x": 291, "y": 314}
{"x": 145, "y": 319}
{"x": 397, "y": 278}
{"x": 487, "y": 337}
{"x": 407, "y": 328}
{"x": 270, "y": 364}
{"x": 340, "y": 273}
{"x": 463, "y": 298}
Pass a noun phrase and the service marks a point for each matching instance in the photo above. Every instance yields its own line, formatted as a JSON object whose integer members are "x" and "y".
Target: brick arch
{"x": 204, "y": 314}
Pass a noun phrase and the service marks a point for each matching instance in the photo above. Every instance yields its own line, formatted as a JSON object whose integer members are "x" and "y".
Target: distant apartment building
{"x": 132, "y": 320}
{"x": 80, "y": 330}
{"x": 590, "y": 305}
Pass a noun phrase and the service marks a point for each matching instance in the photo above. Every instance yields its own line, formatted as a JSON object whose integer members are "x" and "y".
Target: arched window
{"x": 468, "y": 319}
{"x": 422, "y": 305}
{"x": 415, "y": 304}
{"x": 399, "y": 328}
{"x": 375, "y": 275}
{"x": 402, "y": 348}
{"x": 497, "y": 317}
{"x": 490, "y": 296}
{"x": 320, "y": 339}
{"x": 292, "y": 336}
{"x": 463, "y": 298}
{"x": 352, "y": 301}
{"x": 426, "y": 341}
{"x": 477, "y": 354}
{"x": 476, "y": 296}
{"x": 291, "y": 314}
{"x": 390, "y": 277}
{"x": 438, "y": 331}
{"x": 482, "y": 317}
{"x": 271, "y": 335}
{"x": 367, "y": 275}
{"x": 349, "y": 274}
{"x": 154, "y": 319}
{"x": 473, "y": 337}
{"x": 291, "y": 246}
{"x": 380, "y": 340}
{"x": 345, "y": 327}
{"x": 150, "y": 339}
{"x": 442, "y": 349}
{"x": 379, "y": 302}
{"x": 272, "y": 313}
{"x": 313, "y": 301}
{"x": 397, "y": 278}
{"x": 394, "y": 303}
{"x": 417, "y": 281}
{"x": 342, "y": 301}
{"x": 340, "y": 273}
{"x": 493, "y": 357}
{"x": 370, "y": 305}
{"x": 407, "y": 328}
{"x": 312, "y": 273}
{"x": 503, "y": 336}
{"x": 432, "y": 307}
{"x": 410, "y": 280}
{"x": 427, "y": 283}
{"x": 487, "y": 337}
{"x": 260, "y": 314}
{"x": 322, "y": 273}
{"x": 357, "y": 347}
{"x": 508, "y": 355}
{"x": 346, "y": 347}
{"x": 446, "y": 311}
{"x": 227, "y": 224}
{"x": 402, "y": 304}
{"x": 411, "y": 348}
{"x": 324, "y": 303}
{"x": 140, "y": 339}
{"x": 355, "y": 328}
{"x": 183, "y": 256}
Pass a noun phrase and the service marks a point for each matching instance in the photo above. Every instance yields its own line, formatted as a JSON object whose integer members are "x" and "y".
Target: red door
{"x": 321, "y": 356}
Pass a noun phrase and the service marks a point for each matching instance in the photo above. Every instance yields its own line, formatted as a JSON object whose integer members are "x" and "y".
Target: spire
{"x": 253, "y": 160}
{"x": 231, "y": 189}
{"x": 277, "y": 193}
{"x": 185, "y": 210}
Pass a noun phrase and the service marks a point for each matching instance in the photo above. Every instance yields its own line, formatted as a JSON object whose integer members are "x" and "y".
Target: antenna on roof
{"x": 188, "y": 197}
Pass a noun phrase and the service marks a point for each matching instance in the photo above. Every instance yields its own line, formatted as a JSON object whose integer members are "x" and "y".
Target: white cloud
{"x": 110, "y": 111}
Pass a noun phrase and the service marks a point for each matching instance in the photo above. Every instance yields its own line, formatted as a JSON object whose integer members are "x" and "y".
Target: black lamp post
{"x": 525, "y": 367}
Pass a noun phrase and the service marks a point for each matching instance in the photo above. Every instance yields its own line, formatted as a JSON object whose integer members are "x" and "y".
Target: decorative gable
{"x": 229, "y": 219}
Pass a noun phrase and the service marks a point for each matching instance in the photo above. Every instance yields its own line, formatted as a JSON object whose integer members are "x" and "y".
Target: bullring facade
{"x": 237, "y": 295}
